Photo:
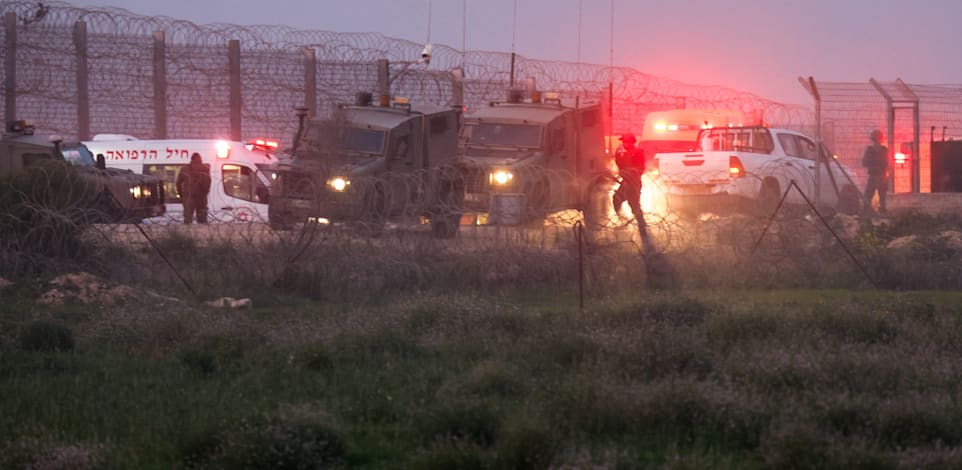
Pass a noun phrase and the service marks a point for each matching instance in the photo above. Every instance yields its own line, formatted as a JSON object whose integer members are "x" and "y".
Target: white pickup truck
{"x": 738, "y": 168}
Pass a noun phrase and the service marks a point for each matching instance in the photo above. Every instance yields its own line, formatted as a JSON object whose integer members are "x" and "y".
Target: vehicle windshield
{"x": 513, "y": 135}
{"x": 362, "y": 140}
{"x": 78, "y": 155}
{"x": 323, "y": 137}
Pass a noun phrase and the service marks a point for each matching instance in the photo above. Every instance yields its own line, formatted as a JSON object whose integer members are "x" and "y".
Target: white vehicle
{"x": 751, "y": 167}
{"x": 240, "y": 180}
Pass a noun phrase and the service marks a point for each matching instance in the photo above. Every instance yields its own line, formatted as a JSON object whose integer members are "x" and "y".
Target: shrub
{"x": 470, "y": 421}
{"x": 315, "y": 357}
{"x": 45, "y": 337}
{"x": 527, "y": 444}
{"x": 212, "y": 354}
{"x": 450, "y": 454}
{"x": 292, "y": 440}
{"x": 41, "y": 453}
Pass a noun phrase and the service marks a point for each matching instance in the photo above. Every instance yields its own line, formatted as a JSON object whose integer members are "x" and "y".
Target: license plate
{"x": 473, "y": 197}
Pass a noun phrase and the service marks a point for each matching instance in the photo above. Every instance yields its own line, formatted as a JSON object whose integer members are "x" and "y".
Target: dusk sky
{"x": 759, "y": 46}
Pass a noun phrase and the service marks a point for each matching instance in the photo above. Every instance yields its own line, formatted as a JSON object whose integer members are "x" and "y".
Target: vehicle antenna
{"x": 578, "y": 80}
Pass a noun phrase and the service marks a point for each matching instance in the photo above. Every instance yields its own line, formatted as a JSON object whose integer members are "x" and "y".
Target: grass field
{"x": 805, "y": 349}
{"x": 639, "y": 379}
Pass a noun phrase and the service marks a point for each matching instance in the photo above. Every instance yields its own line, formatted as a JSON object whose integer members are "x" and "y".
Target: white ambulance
{"x": 240, "y": 179}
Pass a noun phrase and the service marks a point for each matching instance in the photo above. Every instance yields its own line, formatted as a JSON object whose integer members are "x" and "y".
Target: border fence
{"x": 83, "y": 71}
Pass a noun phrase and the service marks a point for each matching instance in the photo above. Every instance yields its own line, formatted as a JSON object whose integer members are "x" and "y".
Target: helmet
{"x": 628, "y": 137}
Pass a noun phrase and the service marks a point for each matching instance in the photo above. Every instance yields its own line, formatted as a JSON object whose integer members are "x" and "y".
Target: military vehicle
{"x": 371, "y": 162}
{"x": 538, "y": 153}
{"x": 112, "y": 195}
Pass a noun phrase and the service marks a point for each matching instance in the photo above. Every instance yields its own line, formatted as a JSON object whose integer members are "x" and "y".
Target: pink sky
{"x": 759, "y": 46}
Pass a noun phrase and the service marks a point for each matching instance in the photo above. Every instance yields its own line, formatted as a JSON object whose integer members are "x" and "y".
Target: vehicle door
{"x": 243, "y": 194}
{"x": 404, "y": 159}
{"x": 798, "y": 165}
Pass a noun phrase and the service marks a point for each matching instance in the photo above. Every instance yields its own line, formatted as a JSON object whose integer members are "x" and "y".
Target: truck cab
{"x": 118, "y": 195}
{"x": 541, "y": 152}
{"x": 367, "y": 163}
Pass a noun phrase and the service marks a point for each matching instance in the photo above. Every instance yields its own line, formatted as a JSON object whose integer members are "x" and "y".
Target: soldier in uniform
{"x": 876, "y": 161}
{"x": 193, "y": 185}
{"x": 631, "y": 165}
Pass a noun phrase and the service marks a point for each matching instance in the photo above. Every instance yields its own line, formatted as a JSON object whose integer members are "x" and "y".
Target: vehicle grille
{"x": 476, "y": 181}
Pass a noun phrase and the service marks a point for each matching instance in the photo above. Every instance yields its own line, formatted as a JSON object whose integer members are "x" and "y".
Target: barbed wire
{"x": 120, "y": 62}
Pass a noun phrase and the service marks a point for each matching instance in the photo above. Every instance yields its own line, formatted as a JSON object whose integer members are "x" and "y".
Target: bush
{"x": 292, "y": 440}
{"x": 450, "y": 454}
{"x": 46, "y": 337}
{"x": 528, "y": 444}
{"x": 469, "y": 421}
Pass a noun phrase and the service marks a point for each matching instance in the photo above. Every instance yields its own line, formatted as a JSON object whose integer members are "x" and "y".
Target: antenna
{"x": 578, "y": 80}
{"x": 426, "y": 52}
{"x": 514, "y": 26}
{"x": 430, "y": 5}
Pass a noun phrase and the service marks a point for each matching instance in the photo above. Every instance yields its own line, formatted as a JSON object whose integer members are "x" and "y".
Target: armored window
{"x": 33, "y": 159}
{"x": 558, "y": 140}
{"x": 439, "y": 125}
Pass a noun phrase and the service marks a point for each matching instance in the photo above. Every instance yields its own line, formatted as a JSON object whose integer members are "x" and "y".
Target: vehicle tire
{"x": 768, "y": 197}
{"x": 849, "y": 201}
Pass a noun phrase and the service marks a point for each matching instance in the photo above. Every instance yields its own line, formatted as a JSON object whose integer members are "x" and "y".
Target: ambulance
{"x": 240, "y": 178}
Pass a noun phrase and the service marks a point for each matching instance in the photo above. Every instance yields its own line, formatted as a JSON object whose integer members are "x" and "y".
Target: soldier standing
{"x": 193, "y": 185}
{"x": 631, "y": 165}
{"x": 876, "y": 161}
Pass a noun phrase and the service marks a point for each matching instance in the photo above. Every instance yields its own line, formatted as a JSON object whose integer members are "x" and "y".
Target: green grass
{"x": 786, "y": 379}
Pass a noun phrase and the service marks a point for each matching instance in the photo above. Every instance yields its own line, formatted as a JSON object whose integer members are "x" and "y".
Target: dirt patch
{"x": 86, "y": 288}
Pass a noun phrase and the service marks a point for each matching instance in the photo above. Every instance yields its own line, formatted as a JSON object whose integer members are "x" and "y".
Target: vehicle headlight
{"x": 500, "y": 177}
{"x": 140, "y": 192}
{"x": 338, "y": 183}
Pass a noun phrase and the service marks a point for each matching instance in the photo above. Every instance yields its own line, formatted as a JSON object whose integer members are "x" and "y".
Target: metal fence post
{"x": 83, "y": 81}
{"x": 310, "y": 81}
{"x": 235, "y": 88}
{"x": 383, "y": 78}
{"x": 160, "y": 85}
{"x": 10, "y": 84}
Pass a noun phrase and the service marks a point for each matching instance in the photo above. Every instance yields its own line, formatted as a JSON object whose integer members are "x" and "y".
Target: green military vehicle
{"x": 369, "y": 163}
{"x": 530, "y": 157}
{"x": 108, "y": 194}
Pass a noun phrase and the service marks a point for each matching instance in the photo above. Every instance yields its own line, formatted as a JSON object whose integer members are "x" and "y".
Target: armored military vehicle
{"x": 111, "y": 195}
{"x": 370, "y": 162}
{"x": 544, "y": 155}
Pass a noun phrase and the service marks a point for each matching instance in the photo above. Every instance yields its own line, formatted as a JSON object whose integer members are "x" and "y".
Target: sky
{"x": 758, "y": 46}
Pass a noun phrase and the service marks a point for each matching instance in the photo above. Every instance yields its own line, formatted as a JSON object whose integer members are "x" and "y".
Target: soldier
{"x": 876, "y": 161}
{"x": 193, "y": 185}
{"x": 631, "y": 165}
